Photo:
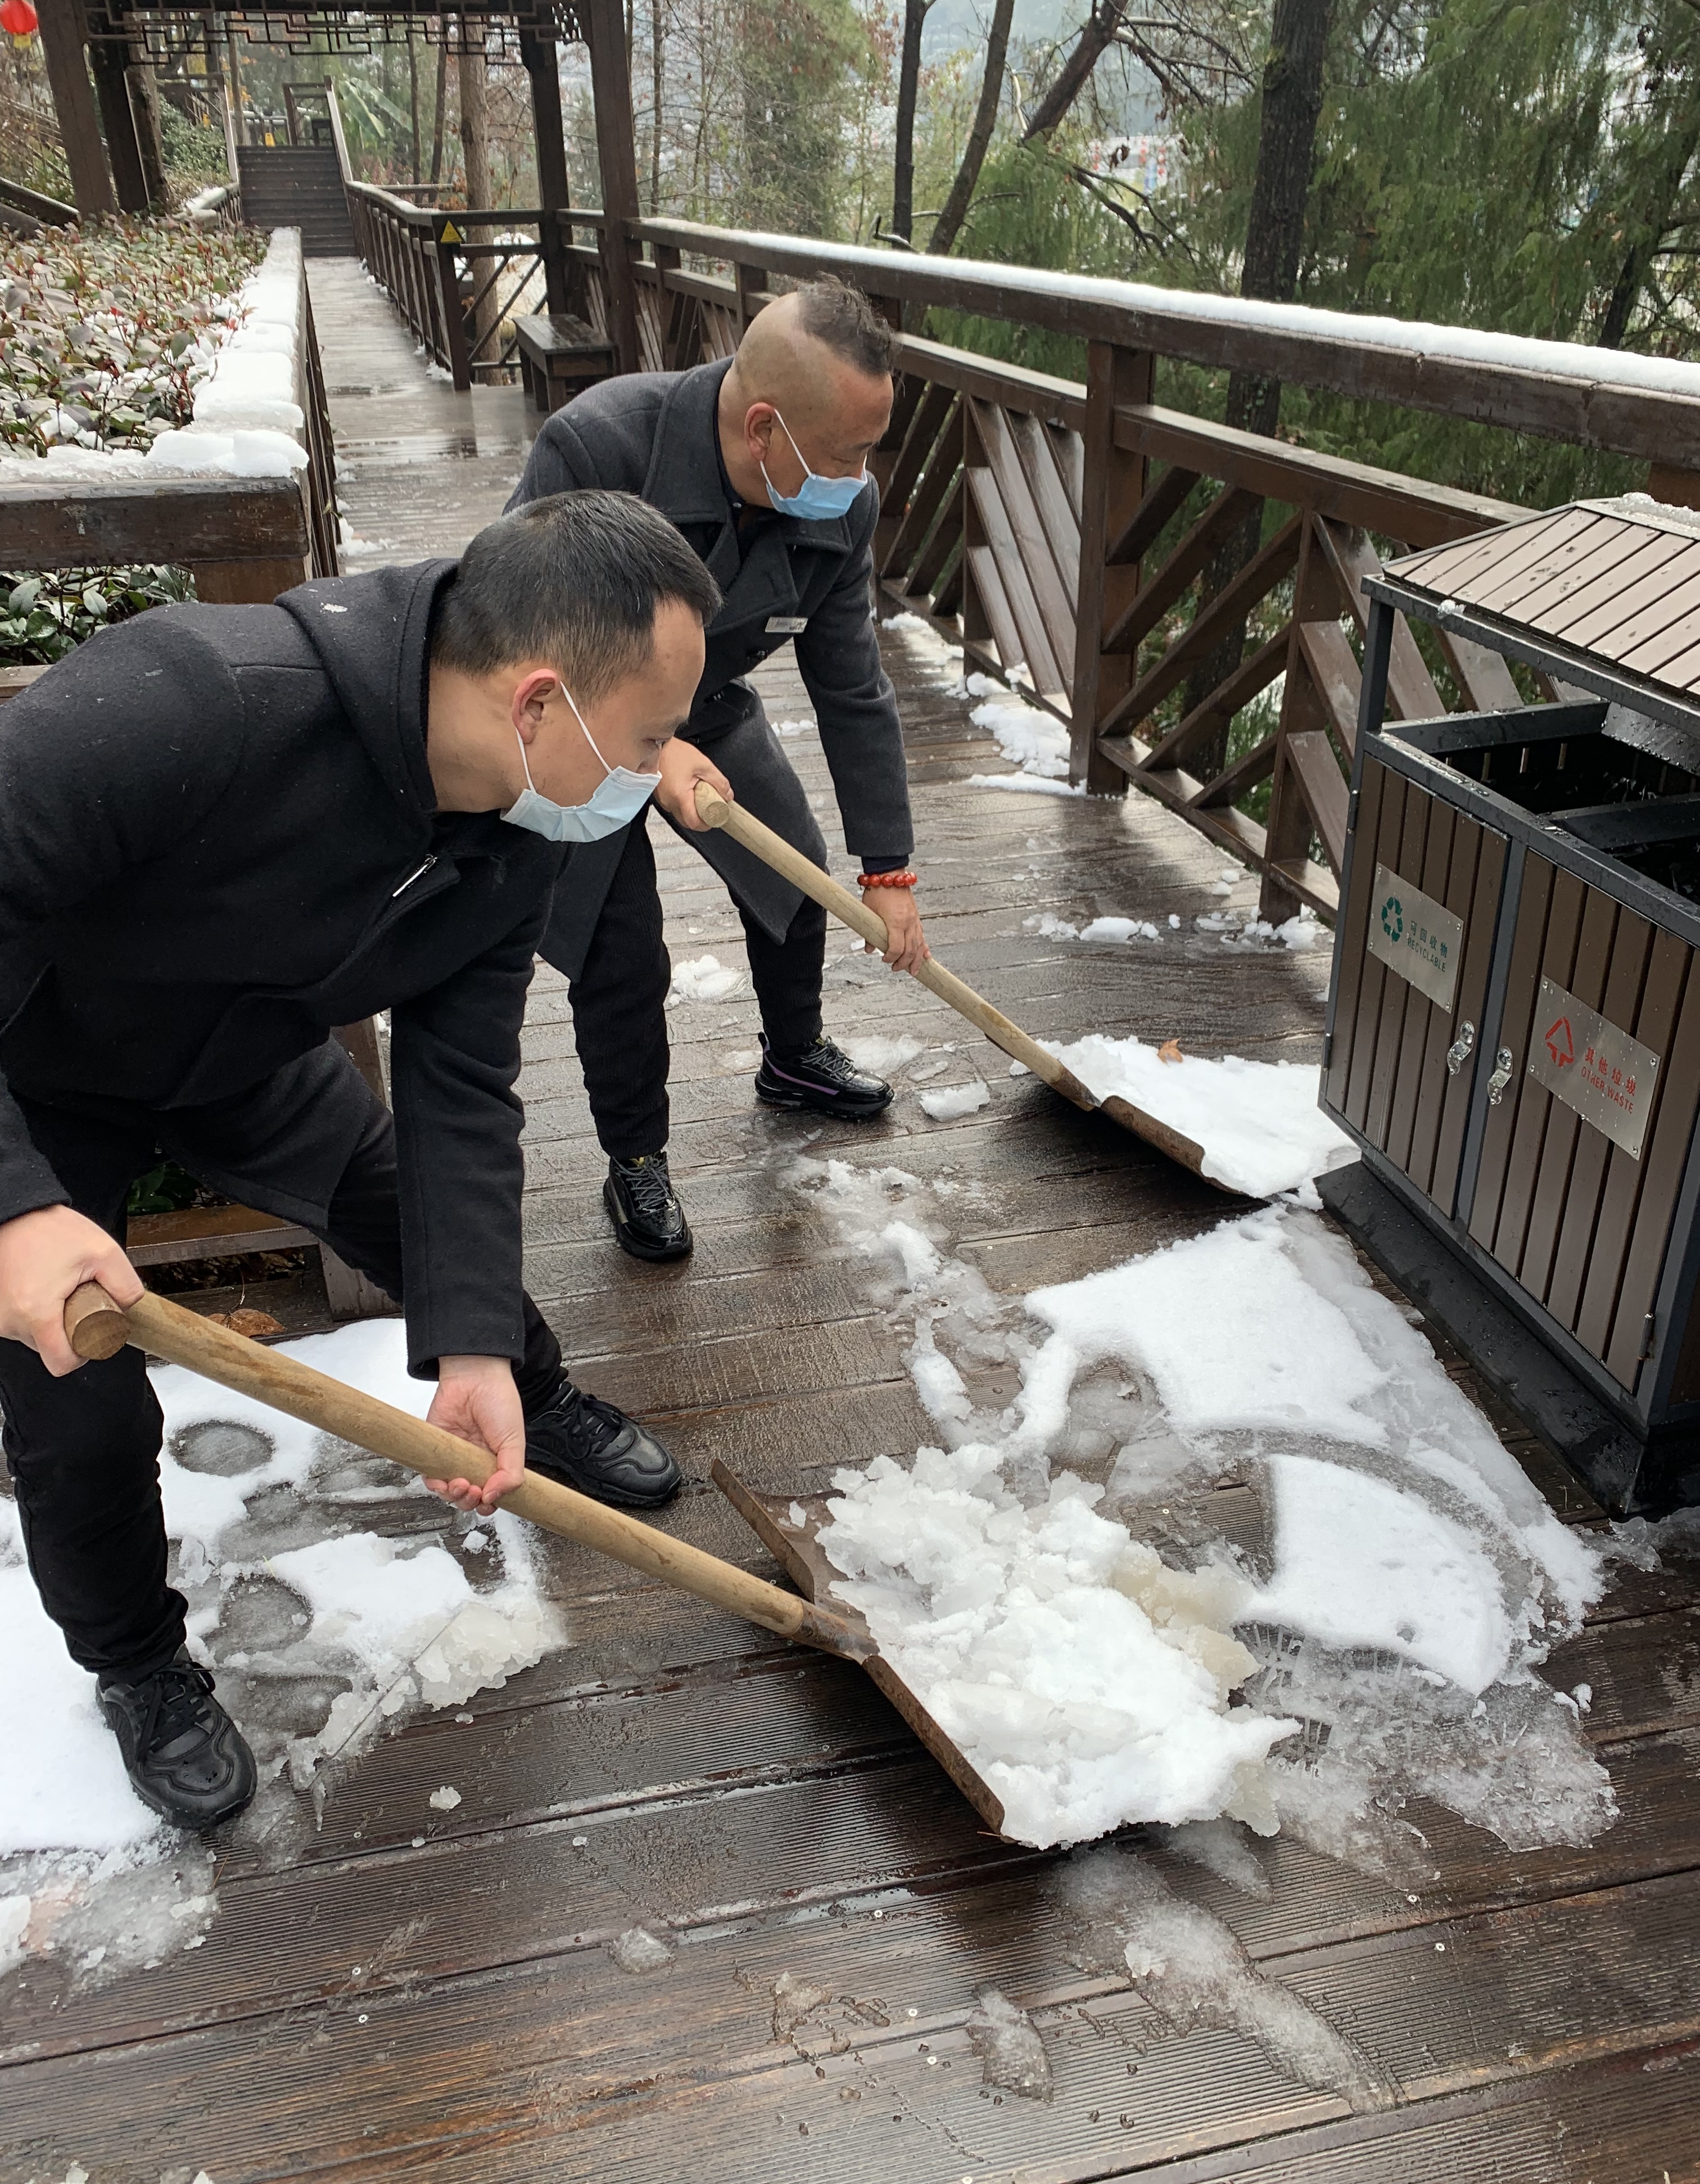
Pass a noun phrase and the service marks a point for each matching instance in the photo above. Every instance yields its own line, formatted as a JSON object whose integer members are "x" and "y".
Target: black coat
{"x": 806, "y": 583}
{"x": 218, "y": 840}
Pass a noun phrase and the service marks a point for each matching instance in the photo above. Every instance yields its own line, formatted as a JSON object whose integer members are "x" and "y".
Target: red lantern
{"x": 17, "y": 17}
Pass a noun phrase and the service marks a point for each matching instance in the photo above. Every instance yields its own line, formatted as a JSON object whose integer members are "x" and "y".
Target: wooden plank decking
{"x": 369, "y": 2006}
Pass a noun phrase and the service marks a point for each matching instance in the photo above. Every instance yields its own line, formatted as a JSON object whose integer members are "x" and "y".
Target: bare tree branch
{"x": 950, "y": 221}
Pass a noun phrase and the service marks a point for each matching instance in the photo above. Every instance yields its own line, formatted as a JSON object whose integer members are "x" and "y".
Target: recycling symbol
{"x": 1392, "y": 917}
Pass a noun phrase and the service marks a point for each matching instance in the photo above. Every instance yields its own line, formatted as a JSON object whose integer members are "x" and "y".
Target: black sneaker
{"x": 184, "y": 1755}
{"x": 822, "y": 1077}
{"x": 649, "y": 1221}
{"x": 582, "y": 1442}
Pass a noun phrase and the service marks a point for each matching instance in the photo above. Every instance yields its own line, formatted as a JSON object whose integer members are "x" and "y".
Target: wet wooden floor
{"x": 370, "y": 2007}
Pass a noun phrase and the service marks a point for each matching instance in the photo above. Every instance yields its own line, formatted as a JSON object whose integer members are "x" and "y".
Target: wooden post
{"x": 1114, "y": 485}
{"x": 67, "y": 64}
{"x": 111, "y": 65}
{"x": 554, "y": 194}
{"x": 616, "y": 155}
{"x": 150, "y": 140}
{"x": 751, "y": 281}
{"x": 454, "y": 318}
{"x": 670, "y": 308}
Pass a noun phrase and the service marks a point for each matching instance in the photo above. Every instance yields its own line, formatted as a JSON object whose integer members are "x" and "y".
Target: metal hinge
{"x": 1327, "y": 1047}
{"x": 1649, "y": 1329}
{"x": 1351, "y": 811}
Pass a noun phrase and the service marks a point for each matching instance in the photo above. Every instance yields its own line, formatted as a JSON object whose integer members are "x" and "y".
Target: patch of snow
{"x": 1026, "y": 782}
{"x": 639, "y": 1951}
{"x": 793, "y": 728}
{"x": 445, "y": 1799}
{"x": 1258, "y": 1121}
{"x": 704, "y": 980}
{"x": 950, "y": 1102}
{"x": 884, "y": 1057}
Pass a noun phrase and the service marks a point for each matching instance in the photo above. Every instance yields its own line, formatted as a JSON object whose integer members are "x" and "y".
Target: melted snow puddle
{"x": 323, "y": 1633}
{"x": 1382, "y": 1637}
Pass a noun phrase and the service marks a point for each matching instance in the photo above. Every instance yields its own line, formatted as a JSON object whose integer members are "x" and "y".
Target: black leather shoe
{"x": 822, "y": 1077}
{"x": 184, "y": 1755}
{"x": 582, "y": 1442}
{"x": 649, "y": 1221}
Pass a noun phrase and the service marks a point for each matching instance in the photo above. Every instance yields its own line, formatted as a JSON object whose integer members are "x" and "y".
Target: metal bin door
{"x": 1598, "y": 1071}
{"x": 1419, "y": 929}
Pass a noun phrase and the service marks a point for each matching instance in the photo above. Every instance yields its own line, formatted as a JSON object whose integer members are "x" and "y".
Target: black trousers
{"x": 619, "y": 1000}
{"x": 84, "y": 1451}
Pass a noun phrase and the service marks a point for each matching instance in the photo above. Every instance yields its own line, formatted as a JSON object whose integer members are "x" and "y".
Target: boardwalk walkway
{"x": 390, "y": 1991}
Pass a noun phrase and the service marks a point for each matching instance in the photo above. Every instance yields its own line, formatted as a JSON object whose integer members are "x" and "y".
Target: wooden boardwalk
{"x": 370, "y": 2005}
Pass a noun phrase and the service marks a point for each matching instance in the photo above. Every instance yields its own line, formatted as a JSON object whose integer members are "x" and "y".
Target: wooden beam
{"x": 617, "y": 155}
{"x": 177, "y": 520}
{"x": 1398, "y": 507}
{"x": 1311, "y": 756}
{"x": 67, "y": 64}
{"x": 1148, "y": 521}
{"x": 110, "y": 62}
{"x": 554, "y": 195}
{"x": 1113, "y": 479}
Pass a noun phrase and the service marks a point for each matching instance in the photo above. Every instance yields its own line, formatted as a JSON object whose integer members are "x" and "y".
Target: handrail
{"x": 48, "y": 209}
{"x": 1610, "y": 399}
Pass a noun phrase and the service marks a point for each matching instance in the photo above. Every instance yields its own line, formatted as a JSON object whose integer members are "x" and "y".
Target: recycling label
{"x": 1594, "y": 1067}
{"x": 1416, "y": 936}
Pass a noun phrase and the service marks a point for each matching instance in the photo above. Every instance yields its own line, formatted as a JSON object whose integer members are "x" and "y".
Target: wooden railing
{"x": 456, "y": 292}
{"x": 1071, "y": 535}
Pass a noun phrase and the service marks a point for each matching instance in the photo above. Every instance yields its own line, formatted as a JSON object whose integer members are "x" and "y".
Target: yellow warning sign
{"x": 450, "y": 233}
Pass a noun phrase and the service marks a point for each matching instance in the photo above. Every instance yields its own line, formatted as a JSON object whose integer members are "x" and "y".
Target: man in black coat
{"x": 223, "y": 832}
{"x": 760, "y": 461}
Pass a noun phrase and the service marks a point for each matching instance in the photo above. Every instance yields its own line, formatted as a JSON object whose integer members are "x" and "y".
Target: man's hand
{"x": 476, "y": 1401}
{"x": 683, "y": 766}
{"x": 43, "y": 1256}
{"x": 907, "y": 949}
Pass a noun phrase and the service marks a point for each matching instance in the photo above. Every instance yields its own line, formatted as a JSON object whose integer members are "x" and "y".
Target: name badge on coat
{"x": 787, "y": 624}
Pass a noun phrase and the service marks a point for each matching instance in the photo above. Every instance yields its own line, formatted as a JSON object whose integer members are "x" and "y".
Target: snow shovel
{"x": 762, "y": 841}
{"x": 97, "y": 1328}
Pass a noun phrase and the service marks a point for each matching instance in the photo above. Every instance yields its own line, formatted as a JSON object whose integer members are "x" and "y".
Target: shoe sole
{"x": 824, "y": 1106}
{"x": 630, "y": 1243}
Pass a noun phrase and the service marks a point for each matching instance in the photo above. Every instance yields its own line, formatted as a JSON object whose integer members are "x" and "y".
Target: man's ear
{"x": 759, "y": 420}
{"x": 531, "y": 695}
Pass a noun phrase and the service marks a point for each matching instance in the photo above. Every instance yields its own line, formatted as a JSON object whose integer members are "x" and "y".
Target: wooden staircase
{"x": 298, "y": 185}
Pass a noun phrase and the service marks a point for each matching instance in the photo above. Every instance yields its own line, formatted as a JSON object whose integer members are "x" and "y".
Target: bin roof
{"x": 1606, "y": 592}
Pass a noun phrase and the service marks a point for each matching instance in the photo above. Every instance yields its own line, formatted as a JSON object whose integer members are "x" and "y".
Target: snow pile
{"x": 322, "y": 1632}
{"x": 1026, "y": 784}
{"x": 704, "y": 980}
{"x": 1258, "y": 1121}
{"x": 1034, "y": 740}
{"x": 1301, "y": 933}
{"x": 950, "y": 1102}
{"x": 1012, "y": 2054}
{"x": 246, "y": 423}
{"x": 1086, "y": 1683}
{"x": 1113, "y": 932}
{"x": 1403, "y": 1582}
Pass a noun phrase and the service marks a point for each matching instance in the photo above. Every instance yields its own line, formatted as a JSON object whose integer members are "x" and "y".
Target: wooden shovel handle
{"x": 820, "y": 887}
{"x": 97, "y": 1328}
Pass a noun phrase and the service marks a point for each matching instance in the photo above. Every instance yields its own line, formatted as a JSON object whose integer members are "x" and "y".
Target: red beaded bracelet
{"x": 889, "y": 879}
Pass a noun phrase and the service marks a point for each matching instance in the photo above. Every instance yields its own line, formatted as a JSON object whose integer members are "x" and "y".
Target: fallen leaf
{"x": 248, "y": 1322}
{"x": 1170, "y": 1051}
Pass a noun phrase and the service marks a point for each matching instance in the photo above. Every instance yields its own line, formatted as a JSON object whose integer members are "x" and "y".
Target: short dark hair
{"x": 574, "y": 579}
{"x": 842, "y": 319}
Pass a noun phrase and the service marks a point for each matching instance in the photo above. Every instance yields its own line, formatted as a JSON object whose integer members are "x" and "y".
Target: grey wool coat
{"x": 797, "y": 582}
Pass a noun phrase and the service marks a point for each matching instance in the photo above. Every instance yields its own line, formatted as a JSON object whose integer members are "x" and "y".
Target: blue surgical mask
{"x": 617, "y": 801}
{"x": 816, "y": 498}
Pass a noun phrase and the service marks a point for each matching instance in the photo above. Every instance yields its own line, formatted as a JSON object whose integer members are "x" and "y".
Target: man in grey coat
{"x": 760, "y": 460}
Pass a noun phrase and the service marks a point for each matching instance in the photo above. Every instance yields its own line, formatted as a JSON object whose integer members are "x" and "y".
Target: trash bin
{"x": 1514, "y": 1027}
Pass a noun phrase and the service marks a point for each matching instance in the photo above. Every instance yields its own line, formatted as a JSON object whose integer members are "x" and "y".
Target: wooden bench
{"x": 560, "y": 356}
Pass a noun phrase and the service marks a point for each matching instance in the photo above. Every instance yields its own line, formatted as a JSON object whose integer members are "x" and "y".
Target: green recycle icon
{"x": 1392, "y": 917}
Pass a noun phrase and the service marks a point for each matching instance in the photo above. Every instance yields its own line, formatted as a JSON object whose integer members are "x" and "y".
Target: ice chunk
{"x": 1259, "y": 1123}
{"x": 952, "y": 1101}
{"x": 445, "y": 1799}
{"x": 704, "y": 980}
{"x": 637, "y": 1950}
{"x": 1012, "y": 2054}
{"x": 884, "y": 1057}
